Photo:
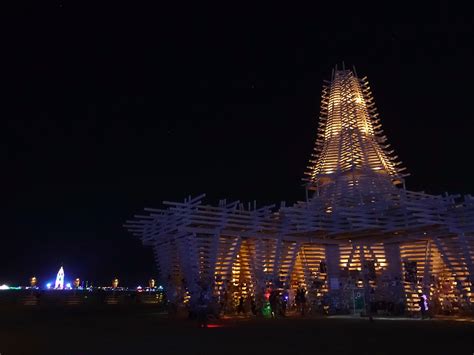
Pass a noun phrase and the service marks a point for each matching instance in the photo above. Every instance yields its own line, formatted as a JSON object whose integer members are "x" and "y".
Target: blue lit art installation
{"x": 59, "y": 284}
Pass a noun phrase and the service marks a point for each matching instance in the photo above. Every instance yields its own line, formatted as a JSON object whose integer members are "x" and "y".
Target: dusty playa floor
{"x": 135, "y": 331}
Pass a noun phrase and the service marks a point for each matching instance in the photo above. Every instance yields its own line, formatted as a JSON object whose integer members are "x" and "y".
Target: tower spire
{"x": 350, "y": 144}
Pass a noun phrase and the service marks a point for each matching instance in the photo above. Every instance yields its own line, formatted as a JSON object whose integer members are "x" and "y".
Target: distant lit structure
{"x": 33, "y": 281}
{"x": 115, "y": 283}
{"x": 77, "y": 282}
{"x": 358, "y": 231}
{"x": 59, "y": 284}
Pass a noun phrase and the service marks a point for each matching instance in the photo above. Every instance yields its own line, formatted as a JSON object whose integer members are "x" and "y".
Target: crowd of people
{"x": 272, "y": 303}
{"x": 277, "y": 302}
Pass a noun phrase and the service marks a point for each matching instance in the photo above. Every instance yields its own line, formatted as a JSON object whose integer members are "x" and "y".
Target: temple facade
{"x": 358, "y": 235}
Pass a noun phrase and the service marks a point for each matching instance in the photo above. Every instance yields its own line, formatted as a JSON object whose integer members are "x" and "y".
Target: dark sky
{"x": 110, "y": 108}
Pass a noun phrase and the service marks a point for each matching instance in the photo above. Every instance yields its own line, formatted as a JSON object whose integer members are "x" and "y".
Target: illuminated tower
{"x": 351, "y": 153}
{"x": 359, "y": 231}
{"x": 59, "y": 284}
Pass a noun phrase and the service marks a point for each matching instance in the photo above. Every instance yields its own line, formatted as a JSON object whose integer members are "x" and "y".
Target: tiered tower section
{"x": 350, "y": 143}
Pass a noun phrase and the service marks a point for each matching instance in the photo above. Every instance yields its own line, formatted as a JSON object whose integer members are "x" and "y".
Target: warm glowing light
{"x": 358, "y": 100}
{"x": 77, "y": 282}
{"x": 33, "y": 281}
{"x": 348, "y": 138}
{"x": 115, "y": 283}
{"x": 151, "y": 283}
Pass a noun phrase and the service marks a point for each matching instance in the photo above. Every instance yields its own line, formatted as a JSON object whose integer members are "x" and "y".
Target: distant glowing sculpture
{"x": 33, "y": 281}
{"x": 77, "y": 282}
{"x": 115, "y": 283}
{"x": 59, "y": 284}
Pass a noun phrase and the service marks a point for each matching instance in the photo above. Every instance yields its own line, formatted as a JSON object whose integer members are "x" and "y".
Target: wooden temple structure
{"x": 358, "y": 231}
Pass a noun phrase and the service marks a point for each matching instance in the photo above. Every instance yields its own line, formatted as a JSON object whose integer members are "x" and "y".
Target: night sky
{"x": 110, "y": 108}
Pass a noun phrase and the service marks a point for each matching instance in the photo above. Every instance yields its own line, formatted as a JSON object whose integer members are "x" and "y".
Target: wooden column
{"x": 333, "y": 268}
{"x": 394, "y": 272}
